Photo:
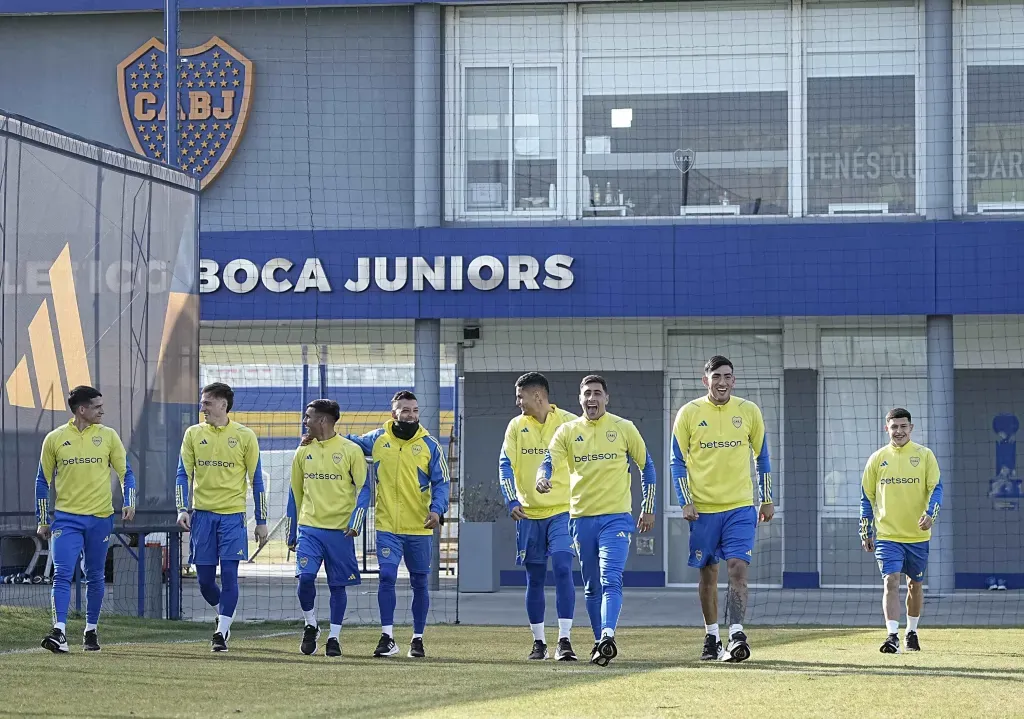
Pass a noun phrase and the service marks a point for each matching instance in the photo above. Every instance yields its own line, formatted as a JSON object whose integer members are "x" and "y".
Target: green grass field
{"x": 165, "y": 669}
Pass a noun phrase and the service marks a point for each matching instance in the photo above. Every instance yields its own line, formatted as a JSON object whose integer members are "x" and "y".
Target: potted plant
{"x": 481, "y": 508}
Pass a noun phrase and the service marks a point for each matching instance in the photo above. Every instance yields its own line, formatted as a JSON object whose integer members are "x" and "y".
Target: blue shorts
{"x": 75, "y": 533}
{"x": 909, "y": 558}
{"x": 722, "y": 535}
{"x": 330, "y": 547}
{"x": 416, "y": 548}
{"x": 216, "y": 537}
{"x": 538, "y": 539}
{"x": 604, "y": 534}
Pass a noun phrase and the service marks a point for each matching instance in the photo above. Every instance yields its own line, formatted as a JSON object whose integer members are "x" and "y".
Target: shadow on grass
{"x": 840, "y": 668}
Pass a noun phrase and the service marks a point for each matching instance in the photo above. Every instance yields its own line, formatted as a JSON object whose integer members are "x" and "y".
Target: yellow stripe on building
{"x": 286, "y": 424}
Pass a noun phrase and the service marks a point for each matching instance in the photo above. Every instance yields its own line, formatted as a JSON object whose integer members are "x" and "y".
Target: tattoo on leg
{"x": 735, "y": 605}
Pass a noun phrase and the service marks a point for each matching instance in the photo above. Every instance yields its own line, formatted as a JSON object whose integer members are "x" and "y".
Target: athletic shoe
{"x": 712, "y": 648}
{"x": 309, "y": 636}
{"x": 604, "y": 651}
{"x": 56, "y": 642}
{"x": 564, "y": 653}
{"x": 386, "y": 647}
{"x": 91, "y": 642}
{"x": 738, "y": 649}
{"x": 913, "y": 643}
{"x": 416, "y": 650}
{"x": 891, "y": 645}
{"x": 333, "y": 647}
{"x": 219, "y": 643}
{"x": 540, "y": 650}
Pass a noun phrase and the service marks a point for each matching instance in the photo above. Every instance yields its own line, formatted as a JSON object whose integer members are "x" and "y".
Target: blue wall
{"x": 917, "y": 268}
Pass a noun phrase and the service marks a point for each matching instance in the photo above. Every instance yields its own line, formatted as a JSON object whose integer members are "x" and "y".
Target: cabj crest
{"x": 214, "y": 83}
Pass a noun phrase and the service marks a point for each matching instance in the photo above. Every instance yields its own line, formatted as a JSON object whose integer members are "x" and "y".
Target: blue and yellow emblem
{"x": 214, "y": 83}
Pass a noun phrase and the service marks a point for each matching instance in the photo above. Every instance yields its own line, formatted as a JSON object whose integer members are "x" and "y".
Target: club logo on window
{"x": 611, "y": 436}
{"x": 684, "y": 160}
{"x": 914, "y": 461}
{"x": 737, "y": 422}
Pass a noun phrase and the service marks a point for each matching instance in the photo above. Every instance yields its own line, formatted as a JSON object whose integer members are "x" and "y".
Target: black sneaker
{"x": 738, "y": 649}
{"x": 91, "y": 642}
{"x": 416, "y": 650}
{"x": 891, "y": 645}
{"x": 386, "y": 647}
{"x": 913, "y": 644}
{"x": 564, "y": 653}
{"x": 540, "y": 650}
{"x": 712, "y": 648}
{"x": 333, "y": 647}
{"x": 604, "y": 651}
{"x": 219, "y": 643}
{"x": 56, "y": 642}
{"x": 309, "y": 636}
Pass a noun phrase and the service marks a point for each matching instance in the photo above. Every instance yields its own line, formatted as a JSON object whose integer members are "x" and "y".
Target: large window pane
{"x": 853, "y": 430}
{"x": 860, "y": 145}
{"x": 535, "y": 128}
{"x": 995, "y": 138}
{"x": 487, "y": 138}
{"x": 738, "y": 141}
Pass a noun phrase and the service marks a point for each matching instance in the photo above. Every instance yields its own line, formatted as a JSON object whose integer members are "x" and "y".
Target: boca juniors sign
{"x": 214, "y": 83}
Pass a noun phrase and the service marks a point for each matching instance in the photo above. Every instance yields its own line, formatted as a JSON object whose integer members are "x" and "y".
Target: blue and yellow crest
{"x": 214, "y": 84}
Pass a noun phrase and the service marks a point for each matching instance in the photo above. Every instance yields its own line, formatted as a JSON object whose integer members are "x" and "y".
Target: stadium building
{"x": 828, "y": 192}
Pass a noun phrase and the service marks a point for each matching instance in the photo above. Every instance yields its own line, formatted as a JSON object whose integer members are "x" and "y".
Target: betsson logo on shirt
{"x": 721, "y": 445}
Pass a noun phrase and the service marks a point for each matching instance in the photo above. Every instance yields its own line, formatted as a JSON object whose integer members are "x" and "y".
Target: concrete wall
{"x": 329, "y": 144}
{"x": 490, "y": 404}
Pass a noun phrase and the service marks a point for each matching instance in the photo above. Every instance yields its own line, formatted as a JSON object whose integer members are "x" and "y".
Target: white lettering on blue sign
{"x": 392, "y": 274}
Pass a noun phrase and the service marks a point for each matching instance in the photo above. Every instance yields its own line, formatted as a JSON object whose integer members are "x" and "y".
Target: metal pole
{"x": 428, "y": 391}
{"x": 305, "y": 386}
{"x": 174, "y": 575}
{"x": 140, "y": 540}
{"x": 171, "y": 80}
{"x": 941, "y": 410}
{"x": 323, "y": 371}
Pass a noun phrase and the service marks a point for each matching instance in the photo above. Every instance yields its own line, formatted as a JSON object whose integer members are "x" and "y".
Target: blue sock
{"x": 613, "y": 555}
{"x": 60, "y": 596}
{"x": 565, "y": 591}
{"x": 593, "y": 597}
{"x": 306, "y": 592}
{"x": 229, "y": 587}
{"x": 386, "y": 593}
{"x": 535, "y": 575}
{"x": 94, "y": 594}
{"x": 339, "y": 603}
{"x": 420, "y": 601}
{"x": 207, "y": 576}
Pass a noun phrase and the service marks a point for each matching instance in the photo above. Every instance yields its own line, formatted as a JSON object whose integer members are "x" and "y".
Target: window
{"x": 678, "y": 118}
{"x": 862, "y": 109}
{"x": 507, "y": 130}
{"x": 992, "y": 168}
{"x": 511, "y": 136}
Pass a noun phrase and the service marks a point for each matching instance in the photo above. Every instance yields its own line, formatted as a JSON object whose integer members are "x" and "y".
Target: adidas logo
{"x": 621, "y": 534}
{"x": 580, "y": 438}
{"x": 204, "y": 442}
{"x": 525, "y": 430}
{"x": 704, "y": 423}
{"x": 241, "y": 552}
{"x": 66, "y": 444}
{"x": 50, "y": 389}
{"x": 351, "y": 577}
{"x": 884, "y": 464}
{"x": 309, "y": 456}
{"x": 387, "y": 445}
